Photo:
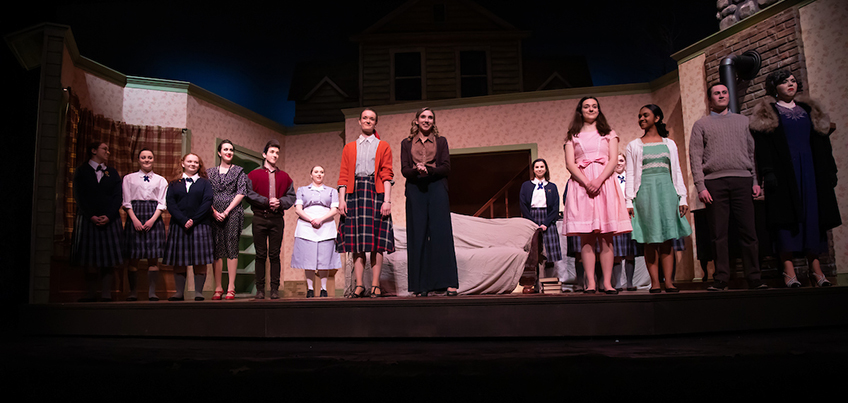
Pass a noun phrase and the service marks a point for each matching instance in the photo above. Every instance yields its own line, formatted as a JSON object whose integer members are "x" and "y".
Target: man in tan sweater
{"x": 721, "y": 152}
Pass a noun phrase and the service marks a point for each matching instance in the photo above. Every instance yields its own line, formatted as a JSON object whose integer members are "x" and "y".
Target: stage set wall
{"x": 811, "y": 38}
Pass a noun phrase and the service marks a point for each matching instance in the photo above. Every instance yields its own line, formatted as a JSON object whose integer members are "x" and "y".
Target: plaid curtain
{"x": 125, "y": 141}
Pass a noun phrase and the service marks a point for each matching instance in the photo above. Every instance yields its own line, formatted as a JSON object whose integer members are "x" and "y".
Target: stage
{"x": 633, "y": 314}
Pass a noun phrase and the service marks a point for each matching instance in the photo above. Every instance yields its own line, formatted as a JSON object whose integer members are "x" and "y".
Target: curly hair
{"x": 413, "y": 130}
{"x": 201, "y": 170}
{"x": 776, "y": 78}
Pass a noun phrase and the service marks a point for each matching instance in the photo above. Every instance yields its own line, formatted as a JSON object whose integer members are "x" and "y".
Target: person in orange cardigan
{"x": 365, "y": 189}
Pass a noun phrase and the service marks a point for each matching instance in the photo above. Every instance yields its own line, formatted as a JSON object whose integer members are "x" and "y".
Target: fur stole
{"x": 765, "y": 119}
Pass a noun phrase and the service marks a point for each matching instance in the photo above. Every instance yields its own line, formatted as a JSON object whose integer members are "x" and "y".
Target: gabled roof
{"x": 308, "y": 77}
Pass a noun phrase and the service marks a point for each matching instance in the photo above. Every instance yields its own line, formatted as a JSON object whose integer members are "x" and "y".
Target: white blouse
{"x": 136, "y": 188}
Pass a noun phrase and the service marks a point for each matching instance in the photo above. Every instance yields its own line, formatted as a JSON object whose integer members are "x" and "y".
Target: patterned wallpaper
{"x": 825, "y": 37}
{"x": 154, "y": 108}
{"x": 693, "y": 99}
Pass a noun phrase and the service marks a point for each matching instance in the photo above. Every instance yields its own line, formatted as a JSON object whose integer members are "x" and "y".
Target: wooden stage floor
{"x": 490, "y": 316}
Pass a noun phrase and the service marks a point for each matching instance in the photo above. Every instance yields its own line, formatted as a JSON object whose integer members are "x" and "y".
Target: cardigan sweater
{"x": 633, "y": 153}
{"x": 382, "y": 166}
{"x": 436, "y": 172}
{"x": 195, "y": 205}
{"x": 525, "y": 197}
{"x": 97, "y": 198}
{"x": 774, "y": 162}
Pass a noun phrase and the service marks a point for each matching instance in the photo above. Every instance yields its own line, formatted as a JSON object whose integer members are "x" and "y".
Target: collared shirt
{"x": 194, "y": 179}
{"x": 136, "y": 188}
{"x": 99, "y": 173}
{"x": 621, "y": 180}
{"x": 423, "y": 149}
{"x": 366, "y": 153}
{"x": 539, "y": 199}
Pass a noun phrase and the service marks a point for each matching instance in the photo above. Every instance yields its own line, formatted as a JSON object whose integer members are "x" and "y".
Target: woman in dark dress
{"x": 96, "y": 243}
{"x": 795, "y": 161}
{"x": 229, "y": 185}
{"x": 189, "y": 241}
{"x": 425, "y": 163}
{"x": 539, "y": 201}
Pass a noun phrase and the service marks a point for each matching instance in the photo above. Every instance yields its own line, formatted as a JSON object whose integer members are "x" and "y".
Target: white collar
{"x": 313, "y": 187}
{"x": 95, "y": 165}
{"x": 363, "y": 137}
{"x": 194, "y": 177}
{"x": 536, "y": 181}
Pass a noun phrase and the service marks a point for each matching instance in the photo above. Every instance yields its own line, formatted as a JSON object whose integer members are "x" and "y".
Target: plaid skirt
{"x": 679, "y": 243}
{"x": 550, "y": 238}
{"x": 144, "y": 244}
{"x": 188, "y": 247}
{"x": 98, "y": 246}
{"x": 624, "y": 245}
{"x": 364, "y": 229}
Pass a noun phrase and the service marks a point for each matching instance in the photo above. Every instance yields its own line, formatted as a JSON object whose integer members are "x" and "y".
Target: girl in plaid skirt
{"x": 539, "y": 201}
{"x": 365, "y": 189}
{"x": 189, "y": 242}
{"x": 144, "y": 233}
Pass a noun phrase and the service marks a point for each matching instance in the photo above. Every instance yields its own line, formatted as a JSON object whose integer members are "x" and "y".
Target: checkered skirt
{"x": 364, "y": 229}
{"x": 98, "y": 246}
{"x": 188, "y": 247}
{"x": 550, "y": 238}
{"x": 144, "y": 244}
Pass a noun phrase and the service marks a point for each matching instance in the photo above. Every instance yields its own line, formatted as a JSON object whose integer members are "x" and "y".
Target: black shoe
{"x": 450, "y": 293}
{"x": 172, "y": 299}
{"x": 260, "y": 294}
{"x": 153, "y": 299}
{"x": 672, "y": 289}
{"x": 323, "y": 294}
{"x": 655, "y": 290}
{"x": 632, "y": 288}
{"x": 131, "y": 299}
{"x": 718, "y": 285}
{"x": 611, "y": 292}
{"x": 275, "y": 294}
{"x": 199, "y": 298}
{"x": 589, "y": 291}
{"x": 310, "y": 293}
{"x": 757, "y": 285}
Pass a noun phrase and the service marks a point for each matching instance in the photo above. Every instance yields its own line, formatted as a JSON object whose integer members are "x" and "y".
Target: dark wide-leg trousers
{"x": 430, "y": 249}
{"x": 268, "y": 239}
{"x": 733, "y": 201}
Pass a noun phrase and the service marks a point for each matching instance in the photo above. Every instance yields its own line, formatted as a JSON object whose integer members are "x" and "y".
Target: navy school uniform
{"x": 193, "y": 246}
{"x": 94, "y": 245}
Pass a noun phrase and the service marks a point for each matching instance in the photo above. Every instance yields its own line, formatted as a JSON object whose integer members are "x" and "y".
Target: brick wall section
{"x": 777, "y": 40}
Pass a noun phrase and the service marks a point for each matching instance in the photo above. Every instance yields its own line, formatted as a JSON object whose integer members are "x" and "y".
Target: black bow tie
{"x": 146, "y": 178}
{"x": 189, "y": 180}
{"x": 100, "y": 168}
{"x": 621, "y": 178}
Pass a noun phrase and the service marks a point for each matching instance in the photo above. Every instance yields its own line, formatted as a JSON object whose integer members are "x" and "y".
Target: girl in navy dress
{"x": 795, "y": 161}
{"x": 96, "y": 241}
{"x": 144, "y": 232}
{"x": 229, "y": 185}
{"x": 189, "y": 242}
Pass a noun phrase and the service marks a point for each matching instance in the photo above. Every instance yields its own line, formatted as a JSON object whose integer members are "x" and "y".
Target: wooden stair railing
{"x": 502, "y": 192}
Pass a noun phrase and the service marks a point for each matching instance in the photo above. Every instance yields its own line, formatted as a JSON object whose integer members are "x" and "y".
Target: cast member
{"x": 594, "y": 207}
{"x": 795, "y": 160}
{"x": 425, "y": 163}
{"x": 229, "y": 185}
{"x": 721, "y": 153}
{"x": 624, "y": 247}
{"x": 656, "y": 195}
{"x": 314, "y": 237}
{"x": 144, "y": 232}
{"x": 96, "y": 241}
{"x": 539, "y": 202}
{"x": 189, "y": 243}
{"x": 365, "y": 191}
{"x": 275, "y": 185}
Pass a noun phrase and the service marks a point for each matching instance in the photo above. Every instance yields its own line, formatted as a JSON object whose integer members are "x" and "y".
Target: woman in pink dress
{"x": 594, "y": 208}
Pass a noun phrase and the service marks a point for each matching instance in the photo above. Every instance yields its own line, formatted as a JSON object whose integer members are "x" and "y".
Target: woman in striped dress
{"x": 539, "y": 201}
{"x": 189, "y": 242}
{"x": 229, "y": 185}
{"x": 144, "y": 234}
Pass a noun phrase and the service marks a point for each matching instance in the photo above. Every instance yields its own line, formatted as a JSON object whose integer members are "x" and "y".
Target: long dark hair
{"x": 413, "y": 130}
{"x": 663, "y": 132}
{"x": 533, "y": 170}
{"x": 577, "y": 121}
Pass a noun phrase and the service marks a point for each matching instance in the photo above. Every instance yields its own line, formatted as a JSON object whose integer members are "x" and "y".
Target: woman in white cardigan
{"x": 656, "y": 195}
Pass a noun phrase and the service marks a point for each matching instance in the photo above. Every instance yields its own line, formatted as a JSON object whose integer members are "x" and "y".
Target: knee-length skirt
{"x": 550, "y": 237}
{"x": 142, "y": 244}
{"x": 188, "y": 247}
{"x": 364, "y": 229}
{"x": 312, "y": 255}
{"x": 94, "y": 245}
